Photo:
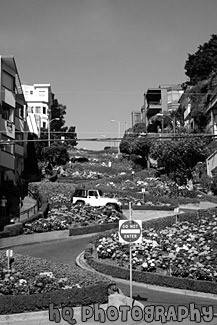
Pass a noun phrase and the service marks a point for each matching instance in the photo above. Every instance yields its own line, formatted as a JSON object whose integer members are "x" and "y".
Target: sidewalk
{"x": 145, "y": 215}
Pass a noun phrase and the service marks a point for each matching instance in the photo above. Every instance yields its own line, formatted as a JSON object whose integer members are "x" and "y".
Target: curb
{"x": 38, "y": 315}
{"x": 116, "y": 300}
{"x": 38, "y": 238}
{"x": 80, "y": 262}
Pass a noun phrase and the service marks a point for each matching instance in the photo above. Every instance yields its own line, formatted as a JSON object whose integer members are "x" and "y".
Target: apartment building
{"x": 39, "y": 100}
{"x": 13, "y": 125}
{"x": 159, "y": 100}
{"x": 185, "y": 104}
{"x": 136, "y": 117}
{"x": 211, "y": 112}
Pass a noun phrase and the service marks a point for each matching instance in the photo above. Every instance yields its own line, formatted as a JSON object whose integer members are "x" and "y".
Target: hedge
{"x": 161, "y": 223}
{"x": 92, "y": 229}
{"x": 150, "y": 277}
{"x": 70, "y": 297}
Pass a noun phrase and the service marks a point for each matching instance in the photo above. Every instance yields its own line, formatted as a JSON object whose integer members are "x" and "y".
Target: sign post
{"x": 131, "y": 266}
{"x": 176, "y": 210}
{"x": 143, "y": 194}
{"x": 130, "y": 232}
{"x": 9, "y": 254}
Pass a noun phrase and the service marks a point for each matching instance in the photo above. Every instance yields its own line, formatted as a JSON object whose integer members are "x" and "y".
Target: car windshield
{"x": 93, "y": 193}
{"x": 80, "y": 193}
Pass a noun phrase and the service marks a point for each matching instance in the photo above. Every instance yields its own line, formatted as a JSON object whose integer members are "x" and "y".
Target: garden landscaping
{"x": 32, "y": 283}
{"x": 158, "y": 193}
{"x": 181, "y": 255}
{"x": 63, "y": 217}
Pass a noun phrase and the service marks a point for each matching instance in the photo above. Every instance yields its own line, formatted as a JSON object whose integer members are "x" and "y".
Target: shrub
{"x": 203, "y": 285}
{"x": 70, "y": 297}
{"x": 14, "y": 230}
{"x": 214, "y": 185}
{"x": 91, "y": 229}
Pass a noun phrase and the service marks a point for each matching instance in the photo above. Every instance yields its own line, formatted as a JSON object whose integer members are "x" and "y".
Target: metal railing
{"x": 28, "y": 213}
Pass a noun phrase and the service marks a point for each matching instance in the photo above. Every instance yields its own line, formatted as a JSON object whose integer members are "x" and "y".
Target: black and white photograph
{"x": 108, "y": 162}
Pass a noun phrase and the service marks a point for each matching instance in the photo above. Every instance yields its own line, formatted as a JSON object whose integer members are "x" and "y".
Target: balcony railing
{"x": 19, "y": 124}
{"x": 8, "y": 97}
{"x": 7, "y": 160}
{"x": 7, "y": 128}
{"x": 19, "y": 150}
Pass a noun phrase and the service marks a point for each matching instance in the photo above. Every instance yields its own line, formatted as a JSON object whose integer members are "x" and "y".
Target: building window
{"x": 19, "y": 136}
{"x": 31, "y": 92}
{"x": 41, "y": 92}
{"x": 22, "y": 112}
{"x": 44, "y": 110}
{"x": 6, "y": 146}
{"x": 7, "y": 112}
{"x": 8, "y": 81}
{"x": 44, "y": 125}
{"x": 37, "y": 109}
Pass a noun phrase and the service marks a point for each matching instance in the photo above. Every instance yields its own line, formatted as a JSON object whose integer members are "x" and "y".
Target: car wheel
{"x": 111, "y": 206}
{"x": 80, "y": 203}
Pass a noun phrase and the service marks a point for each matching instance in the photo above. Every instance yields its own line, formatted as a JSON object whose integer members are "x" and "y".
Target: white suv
{"x": 94, "y": 198}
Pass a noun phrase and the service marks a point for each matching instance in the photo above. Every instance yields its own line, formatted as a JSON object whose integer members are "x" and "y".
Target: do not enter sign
{"x": 130, "y": 231}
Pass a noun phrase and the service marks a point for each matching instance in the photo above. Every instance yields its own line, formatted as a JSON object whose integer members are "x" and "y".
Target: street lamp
{"x": 48, "y": 128}
{"x": 126, "y": 126}
{"x": 119, "y": 133}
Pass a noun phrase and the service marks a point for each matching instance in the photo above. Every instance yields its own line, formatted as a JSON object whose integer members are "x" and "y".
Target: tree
{"x": 179, "y": 157}
{"x": 200, "y": 65}
{"x": 136, "y": 144}
{"x": 57, "y": 124}
{"x": 31, "y": 160}
{"x": 56, "y": 154}
{"x": 57, "y": 112}
{"x": 58, "y": 132}
{"x": 70, "y": 135}
{"x": 141, "y": 147}
{"x": 200, "y": 95}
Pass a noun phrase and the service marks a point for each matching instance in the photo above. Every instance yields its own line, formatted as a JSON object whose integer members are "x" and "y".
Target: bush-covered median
{"x": 32, "y": 283}
{"x": 181, "y": 255}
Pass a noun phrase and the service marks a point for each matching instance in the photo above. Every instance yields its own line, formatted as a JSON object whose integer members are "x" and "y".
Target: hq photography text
{"x": 124, "y": 313}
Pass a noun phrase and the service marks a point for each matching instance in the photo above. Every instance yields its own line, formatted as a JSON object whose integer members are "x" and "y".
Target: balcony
{"x": 153, "y": 109}
{"x": 33, "y": 124}
{"x": 19, "y": 150}
{"x": 19, "y": 124}
{"x": 8, "y": 97}
{"x": 7, "y": 128}
{"x": 7, "y": 161}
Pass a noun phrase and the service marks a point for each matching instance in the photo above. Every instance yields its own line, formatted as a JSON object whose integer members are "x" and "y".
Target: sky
{"x": 100, "y": 56}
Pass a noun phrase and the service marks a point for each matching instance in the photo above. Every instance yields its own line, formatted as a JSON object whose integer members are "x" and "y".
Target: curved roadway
{"x": 66, "y": 251}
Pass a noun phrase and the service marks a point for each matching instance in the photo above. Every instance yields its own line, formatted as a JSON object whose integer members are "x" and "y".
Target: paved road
{"x": 66, "y": 251}
{"x": 46, "y": 321}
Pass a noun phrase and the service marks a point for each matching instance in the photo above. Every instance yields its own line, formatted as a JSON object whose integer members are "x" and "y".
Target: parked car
{"x": 94, "y": 197}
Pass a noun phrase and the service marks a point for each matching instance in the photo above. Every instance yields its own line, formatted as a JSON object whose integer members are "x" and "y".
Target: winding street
{"x": 66, "y": 251}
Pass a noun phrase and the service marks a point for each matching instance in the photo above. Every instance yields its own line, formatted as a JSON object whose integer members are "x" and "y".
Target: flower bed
{"x": 185, "y": 250}
{"x": 30, "y": 285}
{"x": 30, "y": 275}
{"x": 127, "y": 189}
{"x": 62, "y": 217}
